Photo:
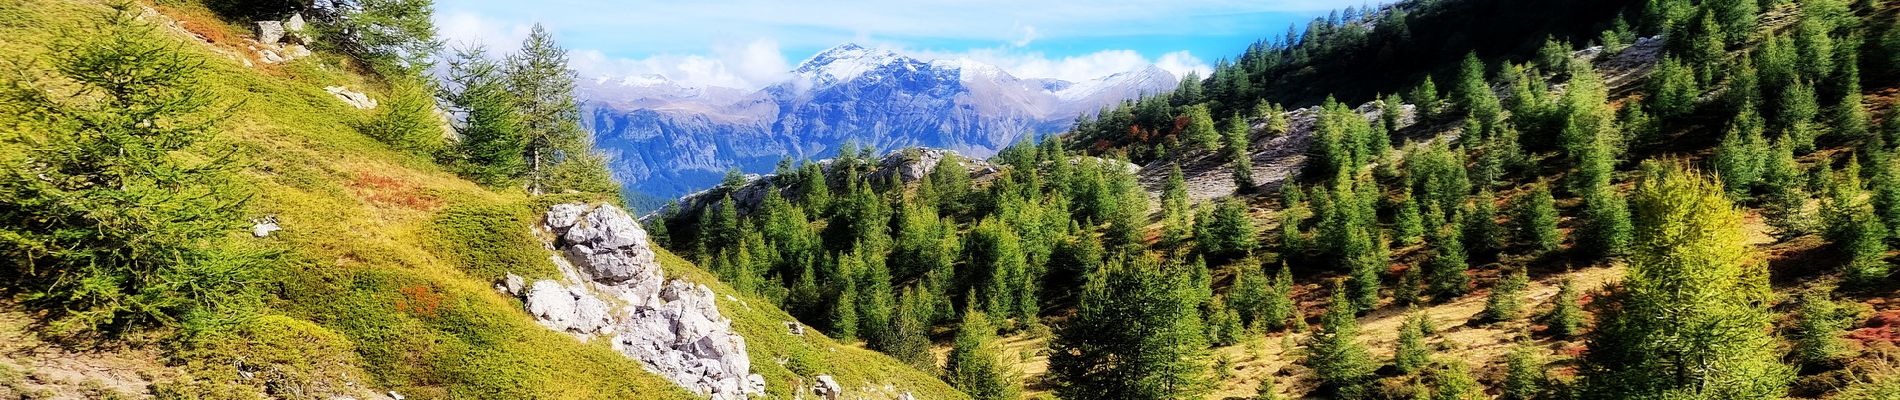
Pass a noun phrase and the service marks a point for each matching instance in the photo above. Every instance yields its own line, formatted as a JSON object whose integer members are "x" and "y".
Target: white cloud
{"x": 737, "y": 43}
{"x": 748, "y": 66}
{"x": 462, "y": 29}
{"x": 1180, "y": 63}
{"x": 1075, "y": 68}
{"x": 1029, "y": 35}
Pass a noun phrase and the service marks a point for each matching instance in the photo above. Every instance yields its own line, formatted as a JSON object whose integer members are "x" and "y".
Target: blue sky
{"x": 750, "y": 43}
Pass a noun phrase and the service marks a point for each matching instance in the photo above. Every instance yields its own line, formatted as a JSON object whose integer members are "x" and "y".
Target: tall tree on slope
{"x": 560, "y": 155}
{"x": 1690, "y": 320}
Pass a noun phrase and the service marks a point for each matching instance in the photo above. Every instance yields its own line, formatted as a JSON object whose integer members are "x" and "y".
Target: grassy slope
{"x": 392, "y": 258}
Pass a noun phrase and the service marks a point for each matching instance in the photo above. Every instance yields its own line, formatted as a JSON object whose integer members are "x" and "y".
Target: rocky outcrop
{"x": 353, "y": 98}
{"x": 281, "y": 41}
{"x": 612, "y": 287}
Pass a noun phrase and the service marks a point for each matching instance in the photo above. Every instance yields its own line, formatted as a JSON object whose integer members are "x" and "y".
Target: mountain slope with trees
{"x": 1550, "y": 200}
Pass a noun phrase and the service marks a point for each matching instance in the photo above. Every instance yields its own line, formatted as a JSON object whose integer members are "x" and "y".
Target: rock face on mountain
{"x": 613, "y": 287}
{"x": 668, "y": 140}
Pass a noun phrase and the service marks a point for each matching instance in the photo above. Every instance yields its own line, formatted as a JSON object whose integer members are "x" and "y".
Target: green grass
{"x": 387, "y": 261}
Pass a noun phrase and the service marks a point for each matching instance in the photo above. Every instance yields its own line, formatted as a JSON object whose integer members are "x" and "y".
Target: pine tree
{"x": 1293, "y": 214}
{"x": 975, "y": 364}
{"x": 1363, "y": 275}
{"x": 1673, "y": 90}
{"x": 1177, "y": 217}
{"x": 1452, "y": 380}
{"x": 1480, "y": 227}
{"x": 1472, "y": 95}
{"x": 1136, "y": 335}
{"x": 1524, "y": 377}
{"x": 560, "y": 155}
{"x": 1250, "y": 295}
{"x": 1819, "y": 323}
{"x": 1425, "y": 98}
{"x": 1223, "y": 324}
{"x": 1534, "y": 215}
{"x": 492, "y": 137}
{"x": 1266, "y": 391}
{"x": 1230, "y": 233}
{"x": 876, "y": 301}
{"x": 843, "y": 316}
{"x": 392, "y": 36}
{"x": 1796, "y": 116}
{"x": 910, "y": 329}
{"x": 1854, "y": 228}
{"x": 108, "y": 227}
{"x": 1606, "y": 222}
{"x": 1410, "y": 283}
{"x": 1565, "y": 318}
{"x": 1201, "y": 132}
{"x": 1506, "y": 302}
{"x": 407, "y": 121}
{"x": 1886, "y": 196}
{"x": 1785, "y": 204}
{"x": 1334, "y": 351}
{"x": 1407, "y": 224}
{"x": 1000, "y": 269}
{"x": 1740, "y": 159}
{"x": 1411, "y": 354}
{"x": 1737, "y": 18}
{"x": 1689, "y": 320}
{"x": 1446, "y": 268}
{"x": 1279, "y": 310}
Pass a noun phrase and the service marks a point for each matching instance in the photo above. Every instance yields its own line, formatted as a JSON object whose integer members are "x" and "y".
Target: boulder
{"x": 295, "y": 23}
{"x": 570, "y": 309}
{"x": 269, "y": 32}
{"x": 827, "y": 388}
{"x": 264, "y": 227}
{"x": 353, "y": 98}
{"x": 513, "y": 284}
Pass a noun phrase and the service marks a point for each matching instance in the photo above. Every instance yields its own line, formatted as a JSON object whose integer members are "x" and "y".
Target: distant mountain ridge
{"x": 669, "y": 139}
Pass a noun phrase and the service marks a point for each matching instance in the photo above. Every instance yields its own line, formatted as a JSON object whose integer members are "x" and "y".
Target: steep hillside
{"x": 382, "y": 280}
{"x": 1562, "y": 200}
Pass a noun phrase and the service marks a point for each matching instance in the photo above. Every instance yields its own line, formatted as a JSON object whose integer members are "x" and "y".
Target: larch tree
{"x": 1534, "y": 215}
{"x": 491, "y": 130}
{"x": 1136, "y": 334}
{"x": 1334, "y": 351}
{"x": 1201, "y": 132}
{"x": 975, "y": 365}
{"x": 1818, "y": 329}
{"x": 1411, "y": 355}
{"x": 560, "y": 155}
{"x": 1565, "y": 318}
{"x": 1690, "y": 319}
{"x": 119, "y": 195}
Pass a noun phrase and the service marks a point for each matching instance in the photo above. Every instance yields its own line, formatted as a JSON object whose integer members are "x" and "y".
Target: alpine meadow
{"x": 747, "y": 199}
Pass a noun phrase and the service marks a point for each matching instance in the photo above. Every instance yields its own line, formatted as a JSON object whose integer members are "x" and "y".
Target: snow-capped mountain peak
{"x": 668, "y": 139}
{"x": 846, "y": 62}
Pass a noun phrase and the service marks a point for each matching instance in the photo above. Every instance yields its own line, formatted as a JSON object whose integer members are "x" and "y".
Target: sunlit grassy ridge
{"x": 386, "y": 262}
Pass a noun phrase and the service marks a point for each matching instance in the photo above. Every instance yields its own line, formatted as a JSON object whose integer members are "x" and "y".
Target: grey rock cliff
{"x": 612, "y": 287}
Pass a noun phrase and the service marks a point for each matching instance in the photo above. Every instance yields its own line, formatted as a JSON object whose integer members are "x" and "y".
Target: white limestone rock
{"x": 613, "y": 286}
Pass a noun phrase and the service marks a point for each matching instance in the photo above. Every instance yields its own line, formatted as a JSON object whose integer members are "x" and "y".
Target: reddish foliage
{"x": 387, "y": 191}
{"x": 1883, "y": 327}
{"x": 419, "y": 299}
